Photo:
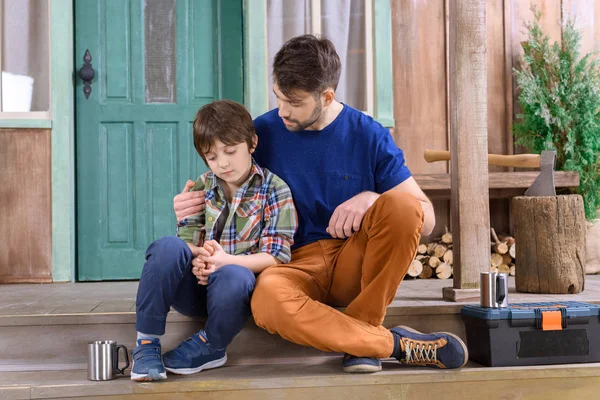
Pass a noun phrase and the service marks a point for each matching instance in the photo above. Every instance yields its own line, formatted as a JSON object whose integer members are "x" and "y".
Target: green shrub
{"x": 559, "y": 95}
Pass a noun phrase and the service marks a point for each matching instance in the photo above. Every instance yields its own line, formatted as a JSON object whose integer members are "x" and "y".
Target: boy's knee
{"x": 167, "y": 253}
{"x": 168, "y": 244}
{"x": 232, "y": 281}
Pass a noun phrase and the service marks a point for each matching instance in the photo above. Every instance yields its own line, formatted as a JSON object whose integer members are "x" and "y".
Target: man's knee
{"x": 400, "y": 209}
{"x": 270, "y": 300}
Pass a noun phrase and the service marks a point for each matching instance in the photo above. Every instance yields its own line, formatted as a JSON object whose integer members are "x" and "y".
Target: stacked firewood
{"x": 435, "y": 260}
{"x": 503, "y": 254}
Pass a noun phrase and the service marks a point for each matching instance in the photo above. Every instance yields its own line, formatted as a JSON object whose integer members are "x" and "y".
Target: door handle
{"x": 87, "y": 73}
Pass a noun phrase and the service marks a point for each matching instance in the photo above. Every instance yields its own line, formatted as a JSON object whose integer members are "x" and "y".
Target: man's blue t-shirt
{"x": 325, "y": 168}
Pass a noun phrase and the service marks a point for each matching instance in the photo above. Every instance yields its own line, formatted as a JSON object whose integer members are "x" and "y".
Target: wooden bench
{"x": 502, "y": 184}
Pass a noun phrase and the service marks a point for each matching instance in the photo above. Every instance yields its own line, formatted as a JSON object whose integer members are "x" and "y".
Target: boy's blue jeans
{"x": 167, "y": 280}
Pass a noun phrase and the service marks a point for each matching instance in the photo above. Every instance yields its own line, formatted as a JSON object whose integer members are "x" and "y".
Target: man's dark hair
{"x": 223, "y": 120}
{"x": 306, "y": 63}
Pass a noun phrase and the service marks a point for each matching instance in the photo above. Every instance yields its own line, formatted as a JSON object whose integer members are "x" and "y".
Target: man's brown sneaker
{"x": 436, "y": 350}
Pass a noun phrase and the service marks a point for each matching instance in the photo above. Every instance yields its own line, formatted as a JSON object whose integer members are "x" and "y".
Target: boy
{"x": 209, "y": 269}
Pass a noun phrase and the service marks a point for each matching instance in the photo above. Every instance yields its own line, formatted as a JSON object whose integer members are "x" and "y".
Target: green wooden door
{"x": 156, "y": 62}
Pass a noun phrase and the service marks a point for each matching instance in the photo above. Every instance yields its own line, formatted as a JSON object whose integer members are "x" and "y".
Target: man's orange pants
{"x": 361, "y": 273}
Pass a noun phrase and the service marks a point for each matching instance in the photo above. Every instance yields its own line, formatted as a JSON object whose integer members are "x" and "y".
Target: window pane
{"x": 159, "y": 53}
{"x": 285, "y": 19}
{"x": 25, "y": 56}
{"x": 343, "y": 22}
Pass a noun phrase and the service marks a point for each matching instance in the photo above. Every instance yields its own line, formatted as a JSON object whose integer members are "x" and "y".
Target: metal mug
{"x": 494, "y": 290}
{"x": 103, "y": 360}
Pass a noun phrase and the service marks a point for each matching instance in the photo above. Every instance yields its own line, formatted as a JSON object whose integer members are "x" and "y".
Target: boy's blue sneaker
{"x": 436, "y": 350}
{"x": 360, "y": 365}
{"x": 194, "y": 355}
{"x": 147, "y": 361}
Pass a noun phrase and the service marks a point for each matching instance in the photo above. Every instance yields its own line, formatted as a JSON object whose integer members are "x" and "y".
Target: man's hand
{"x": 348, "y": 216}
{"x": 188, "y": 203}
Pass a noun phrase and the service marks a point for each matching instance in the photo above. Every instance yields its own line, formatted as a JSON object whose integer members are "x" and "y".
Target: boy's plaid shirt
{"x": 262, "y": 217}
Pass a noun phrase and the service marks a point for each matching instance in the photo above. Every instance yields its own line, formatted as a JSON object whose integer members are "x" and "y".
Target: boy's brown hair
{"x": 307, "y": 63}
{"x": 223, "y": 120}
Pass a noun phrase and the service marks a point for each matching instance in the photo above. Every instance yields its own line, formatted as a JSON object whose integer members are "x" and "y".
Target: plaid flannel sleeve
{"x": 191, "y": 229}
{"x": 281, "y": 222}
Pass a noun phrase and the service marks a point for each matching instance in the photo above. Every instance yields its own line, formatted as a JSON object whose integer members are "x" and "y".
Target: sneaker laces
{"x": 420, "y": 353}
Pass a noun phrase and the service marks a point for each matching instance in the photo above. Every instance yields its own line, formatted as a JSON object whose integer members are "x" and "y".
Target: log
{"x": 422, "y": 249}
{"x": 496, "y": 259}
{"x": 499, "y": 247}
{"x": 509, "y": 240}
{"x": 550, "y": 231}
{"x": 430, "y": 248}
{"x": 439, "y": 250}
{"x": 512, "y": 250}
{"x": 512, "y": 270}
{"x": 415, "y": 268}
{"x": 433, "y": 261}
{"x": 504, "y": 269}
{"x": 506, "y": 259}
{"x": 449, "y": 257}
{"x": 447, "y": 237}
{"x": 443, "y": 271}
{"x": 426, "y": 273}
{"x": 493, "y": 268}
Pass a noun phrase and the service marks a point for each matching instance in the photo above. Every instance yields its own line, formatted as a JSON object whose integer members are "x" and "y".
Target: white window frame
{"x": 10, "y": 119}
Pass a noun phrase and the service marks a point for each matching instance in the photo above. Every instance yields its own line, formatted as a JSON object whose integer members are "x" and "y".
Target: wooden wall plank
{"x": 25, "y": 206}
{"x": 418, "y": 30}
{"x": 420, "y": 97}
{"x": 498, "y": 132}
{"x": 586, "y": 13}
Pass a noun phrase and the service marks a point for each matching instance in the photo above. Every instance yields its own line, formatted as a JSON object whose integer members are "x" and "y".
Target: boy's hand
{"x": 195, "y": 249}
{"x": 214, "y": 255}
{"x": 188, "y": 203}
{"x": 348, "y": 216}
{"x": 199, "y": 266}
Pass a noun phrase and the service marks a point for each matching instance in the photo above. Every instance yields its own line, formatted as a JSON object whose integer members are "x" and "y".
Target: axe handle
{"x": 517, "y": 160}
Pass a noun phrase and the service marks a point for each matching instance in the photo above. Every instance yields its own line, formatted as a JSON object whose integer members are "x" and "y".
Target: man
{"x": 361, "y": 215}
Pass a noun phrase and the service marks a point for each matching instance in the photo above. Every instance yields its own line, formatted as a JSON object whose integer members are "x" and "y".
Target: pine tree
{"x": 559, "y": 95}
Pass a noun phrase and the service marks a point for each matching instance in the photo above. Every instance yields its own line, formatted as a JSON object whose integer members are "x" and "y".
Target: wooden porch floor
{"x": 119, "y": 297}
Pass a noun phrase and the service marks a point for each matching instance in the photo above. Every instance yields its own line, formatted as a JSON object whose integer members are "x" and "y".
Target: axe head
{"x": 544, "y": 183}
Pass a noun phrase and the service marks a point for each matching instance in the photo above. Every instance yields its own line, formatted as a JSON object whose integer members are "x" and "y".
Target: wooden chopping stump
{"x": 550, "y": 238}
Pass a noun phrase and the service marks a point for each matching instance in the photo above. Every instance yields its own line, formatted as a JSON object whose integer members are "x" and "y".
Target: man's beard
{"x": 312, "y": 118}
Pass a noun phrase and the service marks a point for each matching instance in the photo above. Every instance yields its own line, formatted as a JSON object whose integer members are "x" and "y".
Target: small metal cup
{"x": 493, "y": 290}
{"x": 103, "y": 360}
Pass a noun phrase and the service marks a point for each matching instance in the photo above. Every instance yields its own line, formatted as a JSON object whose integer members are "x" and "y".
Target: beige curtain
{"x": 342, "y": 21}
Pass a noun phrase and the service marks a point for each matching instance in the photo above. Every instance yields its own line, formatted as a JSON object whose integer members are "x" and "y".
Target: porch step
{"x": 47, "y": 327}
{"x": 320, "y": 380}
{"x": 59, "y": 341}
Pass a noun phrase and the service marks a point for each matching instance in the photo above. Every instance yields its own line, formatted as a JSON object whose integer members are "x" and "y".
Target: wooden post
{"x": 468, "y": 131}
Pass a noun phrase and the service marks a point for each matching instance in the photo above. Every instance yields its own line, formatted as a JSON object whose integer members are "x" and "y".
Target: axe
{"x": 543, "y": 185}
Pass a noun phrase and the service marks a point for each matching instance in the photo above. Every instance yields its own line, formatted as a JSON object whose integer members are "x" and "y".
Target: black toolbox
{"x": 533, "y": 333}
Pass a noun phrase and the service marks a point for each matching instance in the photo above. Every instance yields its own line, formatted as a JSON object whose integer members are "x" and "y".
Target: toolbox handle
{"x": 500, "y": 288}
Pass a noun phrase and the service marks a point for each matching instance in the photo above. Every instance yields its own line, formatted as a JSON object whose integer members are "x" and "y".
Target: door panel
{"x": 156, "y": 62}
